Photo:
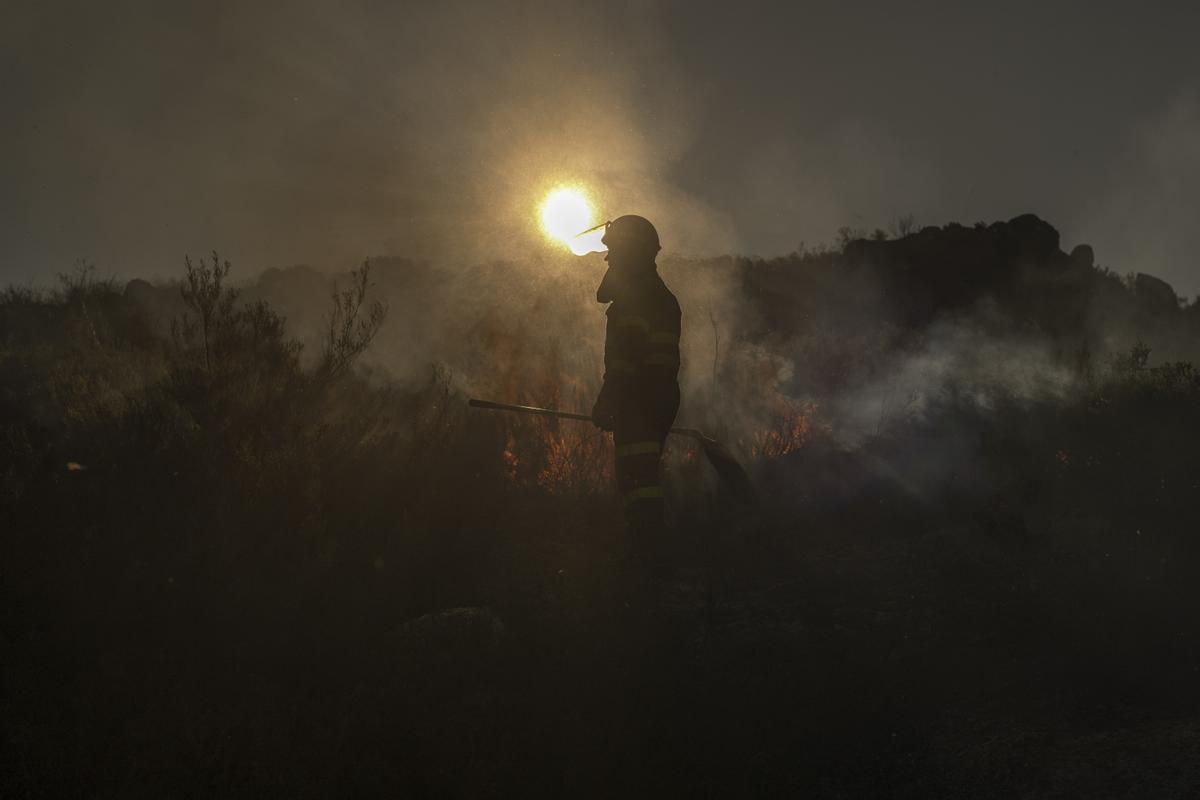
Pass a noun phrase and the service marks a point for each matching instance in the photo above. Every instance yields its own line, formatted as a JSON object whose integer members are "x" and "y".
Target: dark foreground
{"x": 873, "y": 649}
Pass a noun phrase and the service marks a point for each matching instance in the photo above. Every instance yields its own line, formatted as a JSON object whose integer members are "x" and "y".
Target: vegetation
{"x": 228, "y": 570}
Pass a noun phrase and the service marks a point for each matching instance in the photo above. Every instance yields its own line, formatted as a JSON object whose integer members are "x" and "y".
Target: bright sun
{"x": 565, "y": 213}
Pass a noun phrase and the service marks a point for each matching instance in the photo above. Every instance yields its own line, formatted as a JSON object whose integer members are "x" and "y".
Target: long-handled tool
{"x": 728, "y": 469}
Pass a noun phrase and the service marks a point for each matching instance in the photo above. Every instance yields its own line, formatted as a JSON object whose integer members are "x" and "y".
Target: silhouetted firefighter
{"x": 640, "y": 395}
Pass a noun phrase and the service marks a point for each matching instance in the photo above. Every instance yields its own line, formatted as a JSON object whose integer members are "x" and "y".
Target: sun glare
{"x": 565, "y": 213}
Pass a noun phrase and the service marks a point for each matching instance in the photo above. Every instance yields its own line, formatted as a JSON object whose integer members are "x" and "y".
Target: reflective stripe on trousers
{"x": 638, "y": 451}
{"x": 638, "y": 448}
{"x": 643, "y": 493}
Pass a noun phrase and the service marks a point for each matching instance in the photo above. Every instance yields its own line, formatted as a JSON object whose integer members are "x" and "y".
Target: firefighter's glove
{"x": 603, "y": 411}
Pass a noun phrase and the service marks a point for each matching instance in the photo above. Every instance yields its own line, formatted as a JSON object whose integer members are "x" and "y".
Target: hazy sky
{"x": 135, "y": 132}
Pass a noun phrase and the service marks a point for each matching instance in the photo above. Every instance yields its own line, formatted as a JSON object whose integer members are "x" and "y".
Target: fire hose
{"x": 729, "y": 471}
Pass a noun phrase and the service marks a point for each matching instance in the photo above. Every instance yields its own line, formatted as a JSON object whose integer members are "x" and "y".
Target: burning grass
{"x": 791, "y": 428}
{"x": 568, "y": 459}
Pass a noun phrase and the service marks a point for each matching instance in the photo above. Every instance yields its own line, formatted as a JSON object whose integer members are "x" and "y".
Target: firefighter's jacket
{"x": 641, "y": 351}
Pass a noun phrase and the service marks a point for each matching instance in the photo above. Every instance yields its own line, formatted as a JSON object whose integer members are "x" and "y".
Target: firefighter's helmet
{"x": 631, "y": 232}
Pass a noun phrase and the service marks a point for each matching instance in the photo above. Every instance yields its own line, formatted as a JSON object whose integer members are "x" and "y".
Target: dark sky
{"x": 135, "y": 132}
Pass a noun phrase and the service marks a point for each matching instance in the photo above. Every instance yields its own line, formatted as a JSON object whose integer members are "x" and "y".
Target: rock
{"x": 1029, "y": 236}
{"x": 941, "y": 270}
{"x": 139, "y": 291}
{"x": 1083, "y": 257}
{"x": 1155, "y": 295}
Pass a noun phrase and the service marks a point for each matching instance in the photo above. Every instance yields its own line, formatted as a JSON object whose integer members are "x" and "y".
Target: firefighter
{"x": 640, "y": 395}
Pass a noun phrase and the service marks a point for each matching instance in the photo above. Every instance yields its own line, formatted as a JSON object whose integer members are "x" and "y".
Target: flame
{"x": 566, "y": 212}
{"x": 565, "y": 459}
{"x": 577, "y": 461}
{"x": 511, "y": 461}
{"x": 791, "y": 429}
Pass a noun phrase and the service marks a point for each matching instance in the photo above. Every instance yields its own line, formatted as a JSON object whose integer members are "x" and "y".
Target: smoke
{"x": 301, "y": 133}
{"x": 856, "y": 174}
{"x": 957, "y": 361}
{"x": 1146, "y": 213}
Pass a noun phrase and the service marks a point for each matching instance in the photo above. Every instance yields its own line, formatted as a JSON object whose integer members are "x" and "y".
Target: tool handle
{"x": 550, "y": 412}
{"x": 541, "y": 412}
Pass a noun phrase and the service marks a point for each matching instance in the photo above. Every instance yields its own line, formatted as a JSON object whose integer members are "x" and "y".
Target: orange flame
{"x": 791, "y": 430}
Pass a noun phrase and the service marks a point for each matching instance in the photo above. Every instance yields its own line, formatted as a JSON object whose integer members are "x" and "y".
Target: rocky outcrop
{"x": 942, "y": 269}
{"x": 1154, "y": 294}
{"x": 1010, "y": 276}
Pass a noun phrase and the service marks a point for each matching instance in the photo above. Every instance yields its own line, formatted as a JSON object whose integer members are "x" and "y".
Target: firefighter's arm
{"x": 602, "y": 412}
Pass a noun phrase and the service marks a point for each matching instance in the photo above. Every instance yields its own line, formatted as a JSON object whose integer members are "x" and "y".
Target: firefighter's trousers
{"x": 638, "y": 451}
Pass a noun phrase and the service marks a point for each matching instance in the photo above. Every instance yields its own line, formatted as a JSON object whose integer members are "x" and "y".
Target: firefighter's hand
{"x": 602, "y": 413}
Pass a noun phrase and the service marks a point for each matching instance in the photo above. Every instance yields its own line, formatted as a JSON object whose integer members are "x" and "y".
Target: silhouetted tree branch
{"x": 350, "y": 327}
{"x": 205, "y": 293}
